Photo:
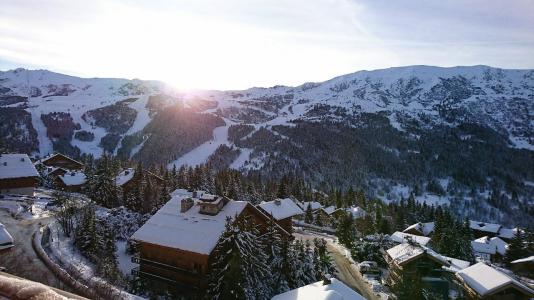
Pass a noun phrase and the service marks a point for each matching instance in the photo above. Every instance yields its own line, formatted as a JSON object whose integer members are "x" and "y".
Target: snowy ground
{"x": 123, "y": 259}
{"x": 201, "y": 154}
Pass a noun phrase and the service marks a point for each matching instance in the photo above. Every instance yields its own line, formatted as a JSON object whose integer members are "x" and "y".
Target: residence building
{"x": 17, "y": 175}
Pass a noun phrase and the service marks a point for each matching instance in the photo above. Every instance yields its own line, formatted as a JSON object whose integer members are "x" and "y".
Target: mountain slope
{"x": 449, "y": 134}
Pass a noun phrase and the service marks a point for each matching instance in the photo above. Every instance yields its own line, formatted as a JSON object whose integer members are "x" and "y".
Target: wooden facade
{"x": 128, "y": 186}
{"x": 62, "y": 161}
{"x": 175, "y": 265}
{"x": 22, "y": 185}
{"x": 507, "y": 292}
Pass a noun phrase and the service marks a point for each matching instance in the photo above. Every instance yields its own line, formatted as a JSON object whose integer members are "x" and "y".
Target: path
{"x": 22, "y": 260}
{"x": 346, "y": 271}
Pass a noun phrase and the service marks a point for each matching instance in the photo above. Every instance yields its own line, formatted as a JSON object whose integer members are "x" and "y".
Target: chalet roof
{"x": 281, "y": 208}
{"x": 330, "y": 209}
{"x": 319, "y": 291}
{"x": 16, "y": 166}
{"x": 124, "y": 176}
{"x": 356, "y": 212}
{"x": 45, "y": 159}
{"x": 190, "y": 230}
{"x": 127, "y": 174}
{"x": 486, "y": 280}
{"x": 404, "y": 253}
{"x": 424, "y": 228}
{"x": 489, "y": 245}
{"x": 486, "y": 227}
{"x": 401, "y": 237}
{"x": 73, "y": 178}
{"x": 508, "y": 233}
{"x": 529, "y": 259}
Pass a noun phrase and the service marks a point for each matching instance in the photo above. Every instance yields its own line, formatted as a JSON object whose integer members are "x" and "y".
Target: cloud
{"x": 242, "y": 43}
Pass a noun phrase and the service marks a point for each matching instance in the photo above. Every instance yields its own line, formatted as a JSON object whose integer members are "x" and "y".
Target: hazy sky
{"x": 230, "y": 44}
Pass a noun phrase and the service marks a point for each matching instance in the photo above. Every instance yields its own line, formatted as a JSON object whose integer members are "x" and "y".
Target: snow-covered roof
{"x": 508, "y": 233}
{"x": 16, "y": 166}
{"x": 314, "y": 205}
{"x": 181, "y": 192}
{"x": 524, "y": 260}
{"x": 401, "y": 237}
{"x": 485, "y": 280}
{"x": 73, "y": 178}
{"x": 489, "y": 245}
{"x": 124, "y": 176}
{"x": 487, "y": 227}
{"x": 319, "y": 291}
{"x": 281, "y": 208}
{"x": 356, "y": 212}
{"x": 330, "y": 209}
{"x": 404, "y": 253}
{"x": 5, "y": 238}
{"x": 46, "y": 158}
{"x": 424, "y": 228}
{"x": 190, "y": 230}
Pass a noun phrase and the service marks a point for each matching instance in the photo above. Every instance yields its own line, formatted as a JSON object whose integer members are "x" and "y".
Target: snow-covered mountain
{"x": 466, "y": 127}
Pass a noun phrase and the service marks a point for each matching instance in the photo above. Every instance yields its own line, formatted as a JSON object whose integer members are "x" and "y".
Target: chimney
{"x": 126, "y": 172}
{"x": 5, "y": 163}
{"x": 186, "y": 204}
{"x": 277, "y": 202}
{"x": 22, "y": 159}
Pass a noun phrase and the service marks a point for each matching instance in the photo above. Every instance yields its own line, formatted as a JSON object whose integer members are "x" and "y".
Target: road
{"x": 21, "y": 260}
{"x": 346, "y": 271}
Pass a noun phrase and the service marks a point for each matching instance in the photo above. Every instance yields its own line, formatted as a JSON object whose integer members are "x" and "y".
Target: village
{"x": 63, "y": 226}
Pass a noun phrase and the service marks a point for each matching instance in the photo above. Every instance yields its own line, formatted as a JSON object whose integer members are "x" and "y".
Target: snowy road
{"x": 346, "y": 271}
{"x": 21, "y": 260}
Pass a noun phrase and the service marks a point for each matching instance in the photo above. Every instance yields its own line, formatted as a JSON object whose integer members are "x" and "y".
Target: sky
{"x": 236, "y": 44}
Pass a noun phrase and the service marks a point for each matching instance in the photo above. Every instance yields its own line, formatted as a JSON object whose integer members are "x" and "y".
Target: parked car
{"x": 6, "y": 240}
{"x": 369, "y": 267}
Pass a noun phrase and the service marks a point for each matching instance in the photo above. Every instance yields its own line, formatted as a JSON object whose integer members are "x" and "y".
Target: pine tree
{"x": 239, "y": 269}
{"x": 308, "y": 216}
{"x": 516, "y": 249}
{"x": 323, "y": 261}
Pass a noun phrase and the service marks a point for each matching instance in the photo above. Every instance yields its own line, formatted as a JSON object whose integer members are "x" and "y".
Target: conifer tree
{"x": 308, "y": 216}
{"x": 517, "y": 248}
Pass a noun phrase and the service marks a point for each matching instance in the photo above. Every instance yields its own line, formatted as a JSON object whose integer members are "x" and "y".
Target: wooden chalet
{"x": 411, "y": 259}
{"x": 176, "y": 245}
{"x": 323, "y": 217}
{"x": 481, "y": 281}
{"x": 421, "y": 229}
{"x": 524, "y": 266}
{"x": 72, "y": 181}
{"x": 17, "y": 174}
{"x": 282, "y": 211}
{"x": 59, "y": 160}
{"x": 129, "y": 178}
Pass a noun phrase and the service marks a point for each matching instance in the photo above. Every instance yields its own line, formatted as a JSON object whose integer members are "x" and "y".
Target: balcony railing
{"x": 166, "y": 267}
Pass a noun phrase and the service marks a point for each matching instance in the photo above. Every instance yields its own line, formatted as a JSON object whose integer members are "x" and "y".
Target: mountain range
{"x": 462, "y": 136}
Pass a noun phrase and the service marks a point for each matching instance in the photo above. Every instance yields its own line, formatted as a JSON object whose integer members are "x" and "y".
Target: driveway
{"x": 346, "y": 271}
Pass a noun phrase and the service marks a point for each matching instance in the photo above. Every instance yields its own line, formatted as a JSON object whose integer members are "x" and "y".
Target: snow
{"x": 484, "y": 279}
{"x": 243, "y": 157}
{"x": 336, "y": 290}
{"x": 489, "y": 245}
{"x": 526, "y": 259}
{"x": 190, "y": 230}
{"x": 16, "y": 166}
{"x": 400, "y": 237}
{"x": 124, "y": 176}
{"x": 424, "y": 228}
{"x": 313, "y": 204}
{"x": 123, "y": 259}
{"x": 73, "y": 178}
{"x": 6, "y": 240}
{"x": 281, "y": 208}
{"x": 404, "y": 253}
{"x": 356, "y": 212}
{"x": 508, "y": 233}
{"x": 329, "y": 210}
{"x": 201, "y": 154}
{"x": 486, "y": 227}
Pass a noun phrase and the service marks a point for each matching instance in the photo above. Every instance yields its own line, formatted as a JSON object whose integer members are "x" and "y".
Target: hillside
{"x": 462, "y": 136}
